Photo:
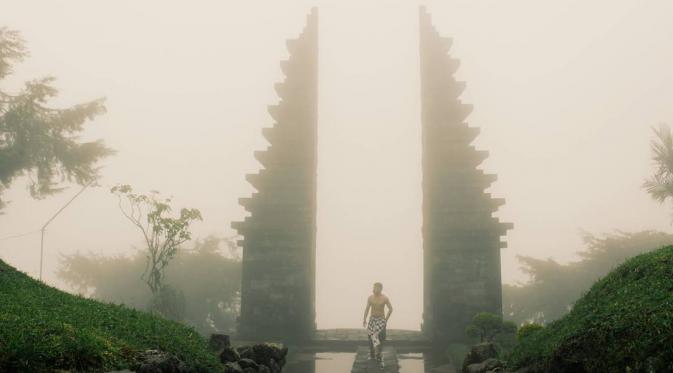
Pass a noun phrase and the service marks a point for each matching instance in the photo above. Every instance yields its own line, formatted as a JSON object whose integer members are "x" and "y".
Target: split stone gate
{"x": 461, "y": 238}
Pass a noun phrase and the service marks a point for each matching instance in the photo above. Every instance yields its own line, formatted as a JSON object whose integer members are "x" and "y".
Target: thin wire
{"x": 19, "y": 235}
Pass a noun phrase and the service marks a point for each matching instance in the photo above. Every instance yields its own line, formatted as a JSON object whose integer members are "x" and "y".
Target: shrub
{"x": 526, "y": 330}
{"x": 624, "y": 322}
{"x": 486, "y": 326}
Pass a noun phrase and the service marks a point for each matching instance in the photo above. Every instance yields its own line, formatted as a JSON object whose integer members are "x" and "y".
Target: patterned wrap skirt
{"x": 376, "y": 325}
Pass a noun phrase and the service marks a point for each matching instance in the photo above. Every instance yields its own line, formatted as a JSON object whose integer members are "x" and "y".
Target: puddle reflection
{"x": 342, "y": 362}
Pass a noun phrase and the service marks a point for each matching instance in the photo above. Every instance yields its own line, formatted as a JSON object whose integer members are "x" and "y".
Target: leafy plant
{"x": 486, "y": 326}
{"x": 660, "y": 185}
{"x": 527, "y": 329}
{"x": 163, "y": 234}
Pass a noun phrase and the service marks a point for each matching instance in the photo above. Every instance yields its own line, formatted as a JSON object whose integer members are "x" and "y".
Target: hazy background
{"x": 564, "y": 91}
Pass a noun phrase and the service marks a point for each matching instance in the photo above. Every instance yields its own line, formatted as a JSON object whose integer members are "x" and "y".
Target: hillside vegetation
{"x": 44, "y": 329}
{"x": 624, "y": 322}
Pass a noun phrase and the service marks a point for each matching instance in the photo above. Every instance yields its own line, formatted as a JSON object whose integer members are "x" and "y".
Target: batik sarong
{"x": 375, "y": 326}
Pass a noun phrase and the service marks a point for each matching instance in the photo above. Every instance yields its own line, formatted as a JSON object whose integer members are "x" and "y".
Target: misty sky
{"x": 565, "y": 93}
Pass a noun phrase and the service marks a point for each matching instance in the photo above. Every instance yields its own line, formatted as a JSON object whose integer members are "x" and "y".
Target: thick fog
{"x": 565, "y": 93}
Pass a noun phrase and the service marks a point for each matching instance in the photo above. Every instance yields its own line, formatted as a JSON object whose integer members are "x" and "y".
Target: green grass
{"x": 45, "y": 329}
{"x": 624, "y": 321}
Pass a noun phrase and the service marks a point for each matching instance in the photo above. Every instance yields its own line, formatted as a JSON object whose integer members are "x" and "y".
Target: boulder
{"x": 248, "y": 363}
{"x": 487, "y": 366}
{"x": 274, "y": 366}
{"x": 261, "y": 353}
{"x": 245, "y": 352}
{"x": 479, "y": 353}
{"x": 229, "y": 355}
{"x": 155, "y": 361}
{"x": 232, "y": 368}
{"x": 262, "y": 358}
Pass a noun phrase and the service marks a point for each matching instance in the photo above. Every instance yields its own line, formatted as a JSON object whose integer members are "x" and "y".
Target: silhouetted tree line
{"x": 553, "y": 287}
{"x": 203, "y": 283}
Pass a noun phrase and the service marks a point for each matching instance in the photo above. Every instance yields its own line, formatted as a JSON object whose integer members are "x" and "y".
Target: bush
{"x": 624, "y": 322}
{"x": 44, "y": 329}
{"x": 486, "y": 326}
{"x": 457, "y": 352}
{"x": 526, "y": 330}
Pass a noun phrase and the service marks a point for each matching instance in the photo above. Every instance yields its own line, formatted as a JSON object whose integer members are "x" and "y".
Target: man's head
{"x": 378, "y": 288}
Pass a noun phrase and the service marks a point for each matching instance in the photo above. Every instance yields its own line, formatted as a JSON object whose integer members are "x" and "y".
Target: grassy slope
{"x": 42, "y": 328}
{"x": 625, "y": 320}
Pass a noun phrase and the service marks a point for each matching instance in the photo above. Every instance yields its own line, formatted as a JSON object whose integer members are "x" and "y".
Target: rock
{"x": 218, "y": 342}
{"x": 262, "y": 358}
{"x": 479, "y": 353}
{"x": 232, "y": 368}
{"x": 248, "y": 363}
{"x": 261, "y": 353}
{"x": 486, "y": 366}
{"x": 274, "y": 367}
{"x": 229, "y": 355}
{"x": 245, "y": 352}
{"x": 283, "y": 352}
{"x": 154, "y": 361}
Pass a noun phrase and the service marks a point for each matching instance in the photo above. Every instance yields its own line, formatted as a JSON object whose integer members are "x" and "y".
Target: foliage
{"x": 486, "y": 326}
{"x": 163, "y": 234}
{"x": 554, "y": 287}
{"x": 39, "y": 141}
{"x": 660, "y": 185}
{"x": 527, "y": 329}
{"x": 44, "y": 329}
{"x": 456, "y": 353}
{"x": 624, "y": 322}
{"x": 207, "y": 276}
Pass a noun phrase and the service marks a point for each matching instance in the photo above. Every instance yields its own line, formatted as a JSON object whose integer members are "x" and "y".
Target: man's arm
{"x": 364, "y": 319}
{"x": 390, "y": 308}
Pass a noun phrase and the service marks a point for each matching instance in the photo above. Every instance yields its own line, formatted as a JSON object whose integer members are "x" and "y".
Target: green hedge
{"x": 625, "y": 321}
{"x": 45, "y": 329}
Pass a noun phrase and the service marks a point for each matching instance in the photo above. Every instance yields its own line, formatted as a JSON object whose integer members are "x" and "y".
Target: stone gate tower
{"x": 461, "y": 238}
{"x": 278, "y": 278}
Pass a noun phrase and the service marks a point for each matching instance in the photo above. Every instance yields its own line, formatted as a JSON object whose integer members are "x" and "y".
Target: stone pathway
{"x": 361, "y": 335}
{"x": 362, "y": 363}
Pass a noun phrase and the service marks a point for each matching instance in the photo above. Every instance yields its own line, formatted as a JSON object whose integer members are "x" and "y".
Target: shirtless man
{"x": 376, "y": 328}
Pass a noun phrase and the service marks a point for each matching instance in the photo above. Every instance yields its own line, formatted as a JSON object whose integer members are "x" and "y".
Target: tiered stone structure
{"x": 278, "y": 279}
{"x": 461, "y": 238}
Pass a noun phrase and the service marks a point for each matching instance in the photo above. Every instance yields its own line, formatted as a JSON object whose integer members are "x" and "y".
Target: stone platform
{"x": 363, "y": 364}
{"x": 350, "y": 339}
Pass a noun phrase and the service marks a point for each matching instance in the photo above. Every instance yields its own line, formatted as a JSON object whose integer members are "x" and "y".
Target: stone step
{"x": 363, "y": 364}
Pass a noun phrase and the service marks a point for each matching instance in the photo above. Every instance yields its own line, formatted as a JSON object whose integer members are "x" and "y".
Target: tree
{"x": 486, "y": 326}
{"x": 207, "y": 273}
{"x": 163, "y": 236}
{"x": 553, "y": 288}
{"x": 660, "y": 185}
{"x": 39, "y": 141}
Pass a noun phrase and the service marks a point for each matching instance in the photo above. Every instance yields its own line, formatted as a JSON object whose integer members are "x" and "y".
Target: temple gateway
{"x": 461, "y": 237}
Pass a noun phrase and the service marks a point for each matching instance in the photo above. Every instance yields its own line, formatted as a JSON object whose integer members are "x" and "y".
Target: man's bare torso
{"x": 378, "y": 303}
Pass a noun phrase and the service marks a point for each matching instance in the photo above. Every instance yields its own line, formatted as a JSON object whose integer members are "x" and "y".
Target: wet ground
{"x": 342, "y": 362}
